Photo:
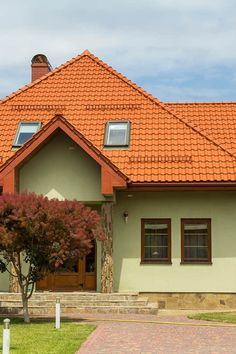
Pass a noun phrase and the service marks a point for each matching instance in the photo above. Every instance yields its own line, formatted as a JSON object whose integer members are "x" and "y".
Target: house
{"x": 163, "y": 175}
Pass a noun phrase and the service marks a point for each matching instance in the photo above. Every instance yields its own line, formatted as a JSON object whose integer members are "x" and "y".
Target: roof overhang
{"x": 208, "y": 185}
{"x": 111, "y": 176}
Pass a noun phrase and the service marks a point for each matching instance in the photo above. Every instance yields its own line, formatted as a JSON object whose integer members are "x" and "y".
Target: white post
{"x": 58, "y": 313}
{"x": 6, "y": 336}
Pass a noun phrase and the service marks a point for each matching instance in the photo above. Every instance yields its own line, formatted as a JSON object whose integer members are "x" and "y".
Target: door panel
{"x": 81, "y": 276}
{"x": 90, "y": 270}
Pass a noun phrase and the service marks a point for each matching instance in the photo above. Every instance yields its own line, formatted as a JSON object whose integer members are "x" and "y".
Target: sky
{"x": 178, "y": 50}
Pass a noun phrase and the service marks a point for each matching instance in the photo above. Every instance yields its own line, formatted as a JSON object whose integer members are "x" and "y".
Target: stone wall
{"x": 193, "y": 301}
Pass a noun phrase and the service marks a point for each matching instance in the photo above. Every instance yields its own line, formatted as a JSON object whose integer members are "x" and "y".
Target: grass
{"x": 40, "y": 336}
{"x": 227, "y": 317}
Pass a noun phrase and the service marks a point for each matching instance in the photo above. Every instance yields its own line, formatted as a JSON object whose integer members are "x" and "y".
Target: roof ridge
{"x": 122, "y": 77}
{"x": 44, "y": 77}
{"x": 159, "y": 103}
{"x": 86, "y": 52}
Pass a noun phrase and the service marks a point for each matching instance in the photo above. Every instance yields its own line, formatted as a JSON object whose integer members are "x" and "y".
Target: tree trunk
{"x": 25, "y": 308}
{"x": 14, "y": 285}
{"x": 107, "y": 249}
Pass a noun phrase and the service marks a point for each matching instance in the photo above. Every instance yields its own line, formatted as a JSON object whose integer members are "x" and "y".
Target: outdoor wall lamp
{"x": 125, "y": 216}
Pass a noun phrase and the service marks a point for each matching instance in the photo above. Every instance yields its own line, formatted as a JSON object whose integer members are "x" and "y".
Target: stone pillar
{"x": 107, "y": 249}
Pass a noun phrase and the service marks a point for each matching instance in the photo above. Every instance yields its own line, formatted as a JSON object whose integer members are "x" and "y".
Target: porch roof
{"x": 110, "y": 175}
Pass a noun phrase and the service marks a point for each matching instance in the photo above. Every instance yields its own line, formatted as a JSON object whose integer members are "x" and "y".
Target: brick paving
{"x": 149, "y": 338}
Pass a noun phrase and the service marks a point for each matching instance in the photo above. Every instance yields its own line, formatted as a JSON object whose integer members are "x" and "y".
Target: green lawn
{"x": 40, "y": 336}
{"x": 227, "y": 317}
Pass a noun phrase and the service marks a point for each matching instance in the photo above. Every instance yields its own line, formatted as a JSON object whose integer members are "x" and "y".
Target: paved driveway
{"x": 150, "y": 338}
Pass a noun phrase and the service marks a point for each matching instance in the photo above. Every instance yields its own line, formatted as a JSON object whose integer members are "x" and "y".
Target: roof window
{"x": 25, "y": 131}
{"x": 117, "y": 133}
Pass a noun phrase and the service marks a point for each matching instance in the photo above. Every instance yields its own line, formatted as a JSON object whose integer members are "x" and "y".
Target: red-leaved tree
{"x": 37, "y": 235}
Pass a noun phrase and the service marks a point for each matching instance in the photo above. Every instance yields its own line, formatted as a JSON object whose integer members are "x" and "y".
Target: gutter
{"x": 231, "y": 185}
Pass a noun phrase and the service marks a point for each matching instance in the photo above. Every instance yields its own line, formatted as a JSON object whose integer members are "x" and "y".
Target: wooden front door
{"x": 81, "y": 276}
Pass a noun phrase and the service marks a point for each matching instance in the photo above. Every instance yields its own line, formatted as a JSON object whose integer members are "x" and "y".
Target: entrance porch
{"x": 79, "y": 275}
{"x": 63, "y": 166}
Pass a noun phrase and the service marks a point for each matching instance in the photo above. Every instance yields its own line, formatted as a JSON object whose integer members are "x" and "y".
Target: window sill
{"x": 156, "y": 262}
{"x": 196, "y": 262}
{"x": 116, "y": 147}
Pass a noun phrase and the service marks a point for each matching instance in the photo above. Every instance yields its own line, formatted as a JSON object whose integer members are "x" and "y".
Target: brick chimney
{"x": 39, "y": 66}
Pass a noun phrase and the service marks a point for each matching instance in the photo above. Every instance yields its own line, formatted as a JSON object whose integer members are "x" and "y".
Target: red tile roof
{"x": 169, "y": 142}
{"x": 217, "y": 120}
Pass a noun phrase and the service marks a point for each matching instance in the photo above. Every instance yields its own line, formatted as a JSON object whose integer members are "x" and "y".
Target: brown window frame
{"x": 161, "y": 260}
{"x": 209, "y": 254}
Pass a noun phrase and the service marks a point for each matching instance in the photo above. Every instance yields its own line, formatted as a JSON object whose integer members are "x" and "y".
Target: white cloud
{"x": 139, "y": 38}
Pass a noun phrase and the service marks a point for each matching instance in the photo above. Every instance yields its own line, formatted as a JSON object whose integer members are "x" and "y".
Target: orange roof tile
{"x": 217, "y": 120}
{"x": 169, "y": 142}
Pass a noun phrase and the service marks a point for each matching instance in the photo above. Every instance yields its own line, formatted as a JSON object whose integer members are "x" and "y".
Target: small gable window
{"x": 25, "y": 131}
{"x": 117, "y": 133}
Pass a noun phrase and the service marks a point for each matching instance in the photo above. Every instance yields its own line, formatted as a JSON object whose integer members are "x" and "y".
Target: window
{"x": 156, "y": 241}
{"x": 117, "y": 133}
{"x": 25, "y": 131}
{"x": 196, "y": 240}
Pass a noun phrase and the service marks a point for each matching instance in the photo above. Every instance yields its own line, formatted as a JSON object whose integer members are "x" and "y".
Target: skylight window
{"x": 25, "y": 131}
{"x": 117, "y": 133}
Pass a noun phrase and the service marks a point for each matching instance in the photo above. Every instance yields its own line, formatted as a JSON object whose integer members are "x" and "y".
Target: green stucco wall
{"x": 131, "y": 275}
{"x": 4, "y": 281}
{"x": 61, "y": 169}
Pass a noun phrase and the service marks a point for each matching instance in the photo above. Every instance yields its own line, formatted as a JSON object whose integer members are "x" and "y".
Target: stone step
{"x": 76, "y": 303}
{"x": 47, "y": 296}
{"x": 44, "y": 310}
{"x": 43, "y": 303}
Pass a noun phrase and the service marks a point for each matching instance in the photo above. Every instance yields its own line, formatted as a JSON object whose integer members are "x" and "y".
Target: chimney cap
{"x": 41, "y": 58}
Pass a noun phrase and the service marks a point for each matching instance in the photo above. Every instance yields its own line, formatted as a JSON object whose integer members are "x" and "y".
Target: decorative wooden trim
{"x": 155, "y": 261}
{"x": 110, "y": 180}
{"x": 9, "y": 182}
{"x": 196, "y": 261}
